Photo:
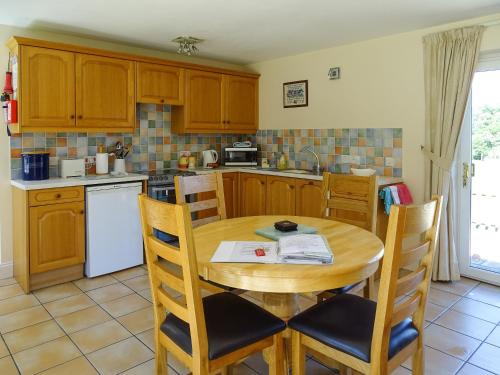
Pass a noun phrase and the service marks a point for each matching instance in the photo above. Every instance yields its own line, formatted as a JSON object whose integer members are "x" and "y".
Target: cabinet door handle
{"x": 80, "y": 117}
{"x": 162, "y": 100}
{"x": 82, "y": 212}
{"x": 58, "y": 196}
{"x": 228, "y": 122}
{"x": 72, "y": 117}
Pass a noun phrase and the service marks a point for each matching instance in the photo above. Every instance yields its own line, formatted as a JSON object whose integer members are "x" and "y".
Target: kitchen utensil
{"x": 210, "y": 157}
{"x": 119, "y": 166}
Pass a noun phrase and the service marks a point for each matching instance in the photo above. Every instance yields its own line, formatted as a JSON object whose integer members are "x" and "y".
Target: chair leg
{"x": 298, "y": 355}
{"x": 369, "y": 289}
{"x": 160, "y": 358}
{"x": 418, "y": 365}
{"x": 344, "y": 370}
{"x": 276, "y": 358}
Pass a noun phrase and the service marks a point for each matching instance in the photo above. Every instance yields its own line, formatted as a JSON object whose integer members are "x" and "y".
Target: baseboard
{"x": 6, "y": 270}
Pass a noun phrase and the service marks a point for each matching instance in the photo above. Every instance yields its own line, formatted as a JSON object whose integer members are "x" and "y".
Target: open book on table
{"x": 298, "y": 249}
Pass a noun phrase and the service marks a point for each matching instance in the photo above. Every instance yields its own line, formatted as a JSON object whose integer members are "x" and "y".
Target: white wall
{"x": 381, "y": 86}
{"x": 5, "y": 33}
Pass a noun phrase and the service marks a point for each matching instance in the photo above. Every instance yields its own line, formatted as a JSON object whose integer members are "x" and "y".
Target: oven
{"x": 240, "y": 156}
{"x": 164, "y": 193}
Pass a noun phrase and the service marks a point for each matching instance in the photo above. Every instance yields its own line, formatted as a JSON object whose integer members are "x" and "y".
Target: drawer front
{"x": 57, "y": 195}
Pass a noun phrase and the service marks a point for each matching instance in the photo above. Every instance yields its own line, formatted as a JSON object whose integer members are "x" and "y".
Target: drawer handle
{"x": 82, "y": 212}
{"x": 72, "y": 116}
{"x": 162, "y": 100}
{"x": 80, "y": 117}
{"x": 58, "y": 196}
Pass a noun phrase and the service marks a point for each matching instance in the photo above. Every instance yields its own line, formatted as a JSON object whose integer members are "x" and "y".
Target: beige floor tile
{"x": 146, "y": 293}
{"x": 82, "y": 319}
{"x": 120, "y": 357}
{"x": 68, "y": 305}
{"x": 147, "y": 368}
{"x": 313, "y": 367}
{"x": 445, "y": 299}
{"x": 486, "y": 293}
{"x": 243, "y": 369}
{"x": 125, "y": 305}
{"x": 56, "y": 292}
{"x": 87, "y": 284}
{"x": 256, "y": 362}
{"x": 487, "y": 357}
{"x": 129, "y": 273}
{"x": 469, "y": 369}
{"x": 433, "y": 311}
{"x": 8, "y": 367}
{"x": 437, "y": 362}
{"x": 31, "y": 336}
{"x": 8, "y": 281}
{"x": 466, "y": 324}
{"x": 494, "y": 337}
{"x": 179, "y": 367}
{"x": 478, "y": 309}
{"x": 110, "y": 292}
{"x": 9, "y": 291}
{"x": 17, "y": 303}
{"x": 138, "y": 321}
{"x": 97, "y": 337}
{"x": 3, "y": 349}
{"x": 23, "y": 318}
{"x": 461, "y": 287}
{"x": 47, "y": 355}
{"x": 77, "y": 366}
{"x": 138, "y": 283}
{"x": 401, "y": 371}
{"x": 148, "y": 339}
{"x": 450, "y": 342}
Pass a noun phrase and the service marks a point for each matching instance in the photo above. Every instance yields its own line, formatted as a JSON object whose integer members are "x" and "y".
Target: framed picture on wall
{"x": 295, "y": 94}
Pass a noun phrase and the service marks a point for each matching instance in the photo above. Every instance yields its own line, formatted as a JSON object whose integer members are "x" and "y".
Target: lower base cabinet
{"x": 280, "y": 195}
{"x": 252, "y": 194}
{"x": 308, "y": 198}
{"x": 49, "y": 236}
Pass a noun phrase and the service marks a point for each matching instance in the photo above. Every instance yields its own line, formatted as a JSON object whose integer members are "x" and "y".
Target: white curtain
{"x": 450, "y": 59}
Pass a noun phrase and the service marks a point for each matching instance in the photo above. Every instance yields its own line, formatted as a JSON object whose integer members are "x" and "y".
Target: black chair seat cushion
{"x": 344, "y": 289}
{"x": 345, "y": 322}
{"x": 232, "y": 323}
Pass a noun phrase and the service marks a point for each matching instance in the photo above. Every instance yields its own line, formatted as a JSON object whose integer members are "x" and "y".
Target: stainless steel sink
{"x": 299, "y": 171}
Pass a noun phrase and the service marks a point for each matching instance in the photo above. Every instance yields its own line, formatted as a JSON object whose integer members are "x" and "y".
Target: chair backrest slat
{"x": 173, "y": 269}
{"x": 209, "y": 192}
{"x": 205, "y": 220}
{"x": 350, "y": 199}
{"x": 407, "y": 225}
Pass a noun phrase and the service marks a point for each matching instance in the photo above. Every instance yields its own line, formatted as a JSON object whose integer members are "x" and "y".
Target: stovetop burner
{"x": 166, "y": 176}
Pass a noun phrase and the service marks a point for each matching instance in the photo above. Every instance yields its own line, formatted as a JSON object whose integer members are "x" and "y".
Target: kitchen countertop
{"x": 76, "y": 181}
{"x": 382, "y": 180}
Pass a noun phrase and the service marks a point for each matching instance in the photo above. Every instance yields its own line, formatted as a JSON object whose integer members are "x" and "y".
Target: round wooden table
{"x": 356, "y": 252}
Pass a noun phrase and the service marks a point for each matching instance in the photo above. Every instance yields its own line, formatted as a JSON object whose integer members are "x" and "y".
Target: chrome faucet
{"x": 309, "y": 149}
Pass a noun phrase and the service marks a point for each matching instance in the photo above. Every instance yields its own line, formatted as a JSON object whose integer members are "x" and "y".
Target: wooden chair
{"x": 352, "y": 200}
{"x": 370, "y": 337}
{"x": 208, "y": 334}
{"x": 209, "y": 204}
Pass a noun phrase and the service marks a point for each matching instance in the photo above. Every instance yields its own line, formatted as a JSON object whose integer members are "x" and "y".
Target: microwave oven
{"x": 240, "y": 156}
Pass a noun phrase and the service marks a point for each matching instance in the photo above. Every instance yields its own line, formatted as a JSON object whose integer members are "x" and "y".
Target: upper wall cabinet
{"x": 160, "y": 84}
{"x": 48, "y": 88}
{"x": 104, "y": 92}
{"x": 217, "y": 103}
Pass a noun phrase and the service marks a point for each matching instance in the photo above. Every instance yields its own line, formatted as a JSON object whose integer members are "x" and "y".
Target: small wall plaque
{"x": 334, "y": 73}
{"x": 295, "y": 94}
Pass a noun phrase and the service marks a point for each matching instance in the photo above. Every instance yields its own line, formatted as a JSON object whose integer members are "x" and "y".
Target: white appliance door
{"x": 114, "y": 238}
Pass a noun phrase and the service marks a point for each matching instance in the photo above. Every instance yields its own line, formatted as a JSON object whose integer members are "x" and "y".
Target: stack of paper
{"x": 304, "y": 249}
{"x": 298, "y": 249}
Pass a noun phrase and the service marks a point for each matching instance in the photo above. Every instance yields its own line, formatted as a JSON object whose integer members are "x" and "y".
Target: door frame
{"x": 487, "y": 61}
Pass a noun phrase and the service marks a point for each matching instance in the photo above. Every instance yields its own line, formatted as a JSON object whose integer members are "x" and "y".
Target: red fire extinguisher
{"x": 9, "y": 105}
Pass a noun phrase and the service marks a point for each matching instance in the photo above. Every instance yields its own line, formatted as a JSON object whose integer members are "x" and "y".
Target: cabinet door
{"x": 204, "y": 105}
{"x": 47, "y": 88}
{"x": 308, "y": 198}
{"x": 252, "y": 194}
{"x": 280, "y": 196}
{"x": 242, "y": 110}
{"x": 230, "y": 182}
{"x": 160, "y": 84}
{"x": 57, "y": 236}
{"x": 104, "y": 92}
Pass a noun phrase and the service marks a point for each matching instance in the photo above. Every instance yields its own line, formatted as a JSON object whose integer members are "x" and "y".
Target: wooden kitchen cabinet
{"x": 252, "y": 194}
{"x": 308, "y": 197}
{"x": 230, "y": 181}
{"x": 242, "y": 107}
{"x": 105, "y": 92}
{"x": 48, "y": 88}
{"x": 160, "y": 84}
{"x": 57, "y": 236}
{"x": 49, "y": 236}
{"x": 280, "y": 195}
{"x": 217, "y": 103}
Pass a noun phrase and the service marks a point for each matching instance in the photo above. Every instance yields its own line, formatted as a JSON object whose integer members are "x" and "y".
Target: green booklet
{"x": 274, "y": 234}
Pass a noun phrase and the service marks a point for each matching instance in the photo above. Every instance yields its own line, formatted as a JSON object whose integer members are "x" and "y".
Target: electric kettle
{"x": 209, "y": 157}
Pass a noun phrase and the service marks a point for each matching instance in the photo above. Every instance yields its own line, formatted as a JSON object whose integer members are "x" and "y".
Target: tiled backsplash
{"x": 338, "y": 149}
{"x": 155, "y": 147}
{"x": 153, "y": 144}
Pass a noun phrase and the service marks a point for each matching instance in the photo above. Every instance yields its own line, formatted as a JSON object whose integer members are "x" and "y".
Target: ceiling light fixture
{"x": 187, "y": 45}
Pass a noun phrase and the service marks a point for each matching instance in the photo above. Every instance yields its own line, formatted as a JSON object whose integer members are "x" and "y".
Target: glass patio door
{"x": 479, "y": 176}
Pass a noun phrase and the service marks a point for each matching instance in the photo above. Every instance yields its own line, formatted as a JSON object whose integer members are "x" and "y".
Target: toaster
{"x": 71, "y": 168}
